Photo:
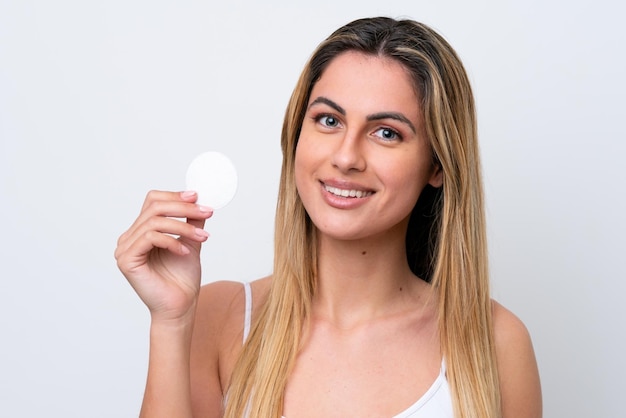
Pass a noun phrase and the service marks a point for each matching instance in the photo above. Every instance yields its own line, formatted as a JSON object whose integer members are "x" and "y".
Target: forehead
{"x": 368, "y": 82}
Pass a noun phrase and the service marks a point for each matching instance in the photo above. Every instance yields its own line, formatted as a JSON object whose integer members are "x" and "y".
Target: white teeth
{"x": 346, "y": 193}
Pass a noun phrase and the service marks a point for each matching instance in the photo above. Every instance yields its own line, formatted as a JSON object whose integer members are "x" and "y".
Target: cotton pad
{"x": 213, "y": 176}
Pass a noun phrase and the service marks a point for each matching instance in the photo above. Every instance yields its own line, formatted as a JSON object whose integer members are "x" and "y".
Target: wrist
{"x": 163, "y": 323}
{"x": 179, "y": 312}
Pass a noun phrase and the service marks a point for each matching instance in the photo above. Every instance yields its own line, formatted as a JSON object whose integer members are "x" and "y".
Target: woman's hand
{"x": 160, "y": 253}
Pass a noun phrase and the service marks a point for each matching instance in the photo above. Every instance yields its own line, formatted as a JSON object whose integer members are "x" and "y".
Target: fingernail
{"x": 201, "y": 233}
{"x": 205, "y": 209}
{"x": 187, "y": 194}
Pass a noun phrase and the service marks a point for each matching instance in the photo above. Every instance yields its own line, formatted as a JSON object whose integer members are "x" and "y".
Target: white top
{"x": 247, "y": 315}
{"x": 435, "y": 403}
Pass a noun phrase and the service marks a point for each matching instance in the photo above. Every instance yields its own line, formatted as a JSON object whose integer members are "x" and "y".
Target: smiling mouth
{"x": 347, "y": 192}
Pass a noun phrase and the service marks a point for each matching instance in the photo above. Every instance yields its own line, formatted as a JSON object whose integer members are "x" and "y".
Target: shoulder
{"x": 509, "y": 330}
{"x": 221, "y": 291}
{"x": 217, "y": 340}
{"x": 221, "y": 306}
{"x": 219, "y": 298}
{"x": 218, "y": 304}
{"x": 517, "y": 366}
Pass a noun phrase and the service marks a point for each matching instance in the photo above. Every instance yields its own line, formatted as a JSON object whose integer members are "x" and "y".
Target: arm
{"x": 160, "y": 257}
{"x": 168, "y": 391}
{"x": 517, "y": 367}
{"x": 215, "y": 345}
{"x": 190, "y": 363}
{"x": 217, "y": 339}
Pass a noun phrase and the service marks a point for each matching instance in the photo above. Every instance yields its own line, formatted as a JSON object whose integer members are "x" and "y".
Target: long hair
{"x": 446, "y": 239}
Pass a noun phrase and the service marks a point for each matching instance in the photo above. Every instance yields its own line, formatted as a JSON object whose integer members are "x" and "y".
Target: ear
{"x": 436, "y": 177}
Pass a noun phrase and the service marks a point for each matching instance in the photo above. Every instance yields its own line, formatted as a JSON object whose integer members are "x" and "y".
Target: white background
{"x": 102, "y": 101}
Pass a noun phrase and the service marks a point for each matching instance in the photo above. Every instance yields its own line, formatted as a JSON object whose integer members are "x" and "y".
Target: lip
{"x": 358, "y": 196}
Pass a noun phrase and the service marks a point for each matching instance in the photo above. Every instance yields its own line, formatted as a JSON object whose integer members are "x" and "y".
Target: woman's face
{"x": 362, "y": 157}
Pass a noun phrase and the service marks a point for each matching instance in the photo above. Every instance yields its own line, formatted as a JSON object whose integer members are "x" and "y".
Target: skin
{"x": 369, "y": 303}
{"x": 372, "y": 347}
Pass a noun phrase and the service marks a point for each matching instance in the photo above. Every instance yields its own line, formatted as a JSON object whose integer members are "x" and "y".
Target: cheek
{"x": 408, "y": 178}
{"x": 306, "y": 154}
{"x": 300, "y": 165}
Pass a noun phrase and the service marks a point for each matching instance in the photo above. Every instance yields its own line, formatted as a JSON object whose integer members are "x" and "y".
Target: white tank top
{"x": 435, "y": 403}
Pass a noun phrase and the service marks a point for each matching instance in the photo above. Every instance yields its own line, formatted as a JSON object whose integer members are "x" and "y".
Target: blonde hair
{"x": 446, "y": 241}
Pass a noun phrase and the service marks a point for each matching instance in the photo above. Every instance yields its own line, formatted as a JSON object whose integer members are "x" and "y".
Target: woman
{"x": 378, "y": 305}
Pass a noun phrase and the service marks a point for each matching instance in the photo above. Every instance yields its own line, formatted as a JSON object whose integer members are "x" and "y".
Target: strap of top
{"x": 247, "y": 317}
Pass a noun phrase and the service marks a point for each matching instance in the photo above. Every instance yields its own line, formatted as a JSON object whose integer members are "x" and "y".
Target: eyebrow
{"x": 392, "y": 115}
{"x": 327, "y": 101}
{"x": 376, "y": 116}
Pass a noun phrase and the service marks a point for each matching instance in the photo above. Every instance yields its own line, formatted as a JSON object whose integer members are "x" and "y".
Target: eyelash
{"x": 320, "y": 117}
{"x": 396, "y": 134}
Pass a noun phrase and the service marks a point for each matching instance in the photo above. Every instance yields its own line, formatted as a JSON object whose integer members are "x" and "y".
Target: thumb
{"x": 198, "y": 223}
{"x": 194, "y": 244}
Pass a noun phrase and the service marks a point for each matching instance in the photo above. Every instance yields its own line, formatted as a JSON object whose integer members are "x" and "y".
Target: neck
{"x": 364, "y": 279}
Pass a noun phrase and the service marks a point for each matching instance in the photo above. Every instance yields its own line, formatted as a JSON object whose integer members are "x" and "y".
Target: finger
{"x": 165, "y": 204}
{"x": 161, "y": 195}
{"x": 169, "y": 208}
{"x": 198, "y": 226}
{"x": 136, "y": 255}
{"x": 151, "y": 197}
{"x": 198, "y": 223}
{"x": 164, "y": 225}
{"x": 163, "y": 210}
{"x": 177, "y": 209}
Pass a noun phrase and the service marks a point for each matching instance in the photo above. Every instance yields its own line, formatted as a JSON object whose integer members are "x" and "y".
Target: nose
{"x": 349, "y": 156}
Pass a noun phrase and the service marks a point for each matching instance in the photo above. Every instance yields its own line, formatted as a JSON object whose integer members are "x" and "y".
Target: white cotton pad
{"x": 213, "y": 176}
